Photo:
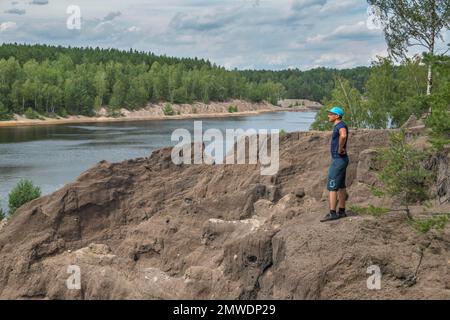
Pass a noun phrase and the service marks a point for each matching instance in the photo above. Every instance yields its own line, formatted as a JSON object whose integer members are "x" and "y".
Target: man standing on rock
{"x": 338, "y": 168}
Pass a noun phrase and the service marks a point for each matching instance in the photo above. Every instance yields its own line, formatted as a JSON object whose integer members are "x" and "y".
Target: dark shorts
{"x": 337, "y": 173}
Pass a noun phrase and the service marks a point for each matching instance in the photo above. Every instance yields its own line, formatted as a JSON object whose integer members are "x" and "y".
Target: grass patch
{"x": 168, "y": 110}
{"x": 114, "y": 113}
{"x": 51, "y": 115}
{"x": 31, "y": 114}
{"x": 232, "y": 109}
{"x": 63, "y": 113}
{"x": 4, "y": 113}
{"x": 424, "y": 225}
{"x": 370, "y": 210}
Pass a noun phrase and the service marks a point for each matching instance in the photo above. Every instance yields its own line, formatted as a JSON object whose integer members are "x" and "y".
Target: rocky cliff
{"x": 149, "y": 229}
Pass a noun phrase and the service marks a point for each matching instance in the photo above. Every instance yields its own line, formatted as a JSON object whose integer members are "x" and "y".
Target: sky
{"x": 242, "y": 34}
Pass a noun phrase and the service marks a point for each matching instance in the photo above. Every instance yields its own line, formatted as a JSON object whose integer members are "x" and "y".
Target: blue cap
{"x": 338, "y": 111}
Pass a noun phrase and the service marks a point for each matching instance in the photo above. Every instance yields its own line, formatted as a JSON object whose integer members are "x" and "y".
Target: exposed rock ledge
{"x": 149, "y": 229}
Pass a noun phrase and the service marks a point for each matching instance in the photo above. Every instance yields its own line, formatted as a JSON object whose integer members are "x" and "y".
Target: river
{"x": 54, "y": 155}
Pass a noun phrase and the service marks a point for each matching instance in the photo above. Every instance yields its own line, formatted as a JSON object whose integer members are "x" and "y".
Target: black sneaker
{"x": 342, "y": 214}
{"x": 331, "y": 217}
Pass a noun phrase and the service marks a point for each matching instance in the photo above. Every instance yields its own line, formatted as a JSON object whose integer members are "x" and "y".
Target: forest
{"x": 393, "y": 92}
{"x": 64, "y": 81}
{"x": 46, "y": 80}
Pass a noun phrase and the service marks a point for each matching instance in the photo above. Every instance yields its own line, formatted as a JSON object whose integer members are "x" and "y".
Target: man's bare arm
{"x": 342, "y": 140}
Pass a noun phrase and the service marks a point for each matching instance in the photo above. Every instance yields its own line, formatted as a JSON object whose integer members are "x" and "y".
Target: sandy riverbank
{"x": 155, "y": 112}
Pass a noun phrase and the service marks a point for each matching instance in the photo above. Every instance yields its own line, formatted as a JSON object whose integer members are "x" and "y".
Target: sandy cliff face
{"x": 149, "y": 229}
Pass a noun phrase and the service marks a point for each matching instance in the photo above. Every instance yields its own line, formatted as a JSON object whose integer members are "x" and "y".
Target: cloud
{"x": 347, "y": 6}
{"x": 277, "y": 59}
{"x": 300, "y": 5}
{"x": 9, "y": 25}
{"x": 16, "y": 11}
{"x": 203, "y": 22}
{"x": 236, "y": 34}
{"x": 39, "y": 2}
{"x": 134, "y": 29}
{"x": 355, "y": 32}
{"x": 341, "y": 60}
{"x": 112, "y": 15}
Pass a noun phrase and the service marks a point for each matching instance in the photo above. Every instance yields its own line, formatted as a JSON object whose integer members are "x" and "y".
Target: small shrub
{"x": 63, "y": 113}
{"x": 426, "y": 224}
{"x": 403, "y": 174}
{"x": 232, "y": 109}
{"x": 377, "y": 192}
{"x": 31, "y": 114}
{"x": 50, "y": 115}
{"x": 2, "y": 214}
{"x": 168, "y": 110}
{"x": 22, "y": 193}
{"x": 282, "y": 133}
{"x": 114, "y": 113}
{"x": 4, "y": 113}
{"x": 194, "y": 110}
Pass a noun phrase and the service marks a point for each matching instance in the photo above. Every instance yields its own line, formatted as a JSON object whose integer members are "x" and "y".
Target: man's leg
{"x": 333, "y": 215}
{"x": 333, "y": 191}
{"x": 336, "y": 187}
{"x": 333, "y": 200}
{"x": 342, "y": 198}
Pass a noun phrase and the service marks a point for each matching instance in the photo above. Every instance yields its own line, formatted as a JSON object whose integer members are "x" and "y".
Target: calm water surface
{"x": 52, "y": 156}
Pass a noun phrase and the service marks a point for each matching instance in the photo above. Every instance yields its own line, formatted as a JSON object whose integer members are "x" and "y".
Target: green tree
{"x": 411, "y": 91}
{"x": 180, "y": 95}
{"x": 273, "y": 92}
{"x": 22, "y": 193}
{"x": 403, "y": 174}
{"x": 253, "y": 92}
{"x": 55, "y": 98}
{"x": 137, "y": 94}
{"x": 17, "y": 97}
{"x": 394, "y": 93}
{"x": 408, "y": 23}
{"x": 118, "y": 95}
{"x": 175, "y": 80}
{"x": 61, "y": 80}
{"x": 381, "y": 92}
{"x": 100, "y": 85}
{"x": 4, "y": 113}
{"x": 439, "y": 120}
{"x": 348, "y": 98}
{"x": 79, "y": 95}
{"x": 31, "y": 114}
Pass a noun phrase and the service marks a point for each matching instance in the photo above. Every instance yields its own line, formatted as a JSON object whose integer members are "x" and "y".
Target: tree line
{"x": 414, "y": 86}
{"x": 315, "y": 84}
{"x": 400, "y": 86}
{"x": 56, "y": 80}
{"x": 391, "y": 94}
